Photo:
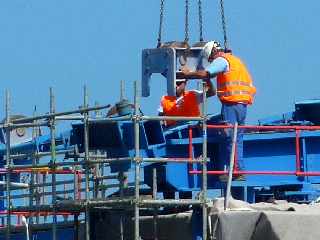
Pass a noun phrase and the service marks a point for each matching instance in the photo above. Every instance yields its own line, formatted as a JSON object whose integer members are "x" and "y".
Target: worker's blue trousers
{"x": 232, "y": 113}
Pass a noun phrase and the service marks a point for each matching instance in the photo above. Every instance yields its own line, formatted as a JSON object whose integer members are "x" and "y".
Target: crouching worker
{"x": 185, "y": 103}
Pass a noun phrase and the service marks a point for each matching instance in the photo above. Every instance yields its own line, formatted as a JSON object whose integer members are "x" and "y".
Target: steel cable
{"x": 186, "y": 33}
{"x": 200, "y": 21}
{"x": 161, "y": 22}
{"x": 224, "y": 27}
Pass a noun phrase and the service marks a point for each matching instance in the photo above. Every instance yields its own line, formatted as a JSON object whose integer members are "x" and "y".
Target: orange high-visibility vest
{"x": 235, "y": 86}
{"x": 188, "y": 107}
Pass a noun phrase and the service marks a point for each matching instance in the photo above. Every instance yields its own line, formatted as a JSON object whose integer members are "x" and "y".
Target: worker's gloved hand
{"x": 182, "y": 72}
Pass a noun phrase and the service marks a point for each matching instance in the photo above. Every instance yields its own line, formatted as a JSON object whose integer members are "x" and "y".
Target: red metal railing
{"x": 41, "y": 171}
{"x": 33, "y": 213}
{"x": 19, "y": 214}
{"x": 297, "y": 130}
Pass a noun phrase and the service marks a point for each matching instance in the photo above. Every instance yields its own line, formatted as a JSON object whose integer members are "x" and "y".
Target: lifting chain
{"x": 186, "y": 33}
{"x": 161, "y": 22}
{"x": 200, "y": 21}
{"x": 224, "y": 27}
{"x": 186, "y": 29}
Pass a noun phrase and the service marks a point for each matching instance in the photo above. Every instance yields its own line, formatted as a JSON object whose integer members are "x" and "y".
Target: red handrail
{"x": 255, "y": 127}
{"x": 36, "y": 213}
{"x": 41, "y": 171}
{"x": 297, "y": 129}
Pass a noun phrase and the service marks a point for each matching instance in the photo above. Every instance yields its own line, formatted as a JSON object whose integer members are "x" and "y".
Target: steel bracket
{"x": 167, "y": 61}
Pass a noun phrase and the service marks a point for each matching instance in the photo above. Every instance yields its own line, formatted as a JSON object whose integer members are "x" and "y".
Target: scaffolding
{"x": 90, "y": 192}
{"x": 82, "y": 165}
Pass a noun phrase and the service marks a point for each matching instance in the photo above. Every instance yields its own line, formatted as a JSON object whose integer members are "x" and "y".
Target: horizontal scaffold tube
{"x": 43, "y": 170}
{"x": 178, "y": 160}
{"x": 15, "y": 184}
{"x": 52, "y": 115}
{"x": 23, "y": 125}
{"x": 38, "y": 154}
{"x": 79, "y": 205}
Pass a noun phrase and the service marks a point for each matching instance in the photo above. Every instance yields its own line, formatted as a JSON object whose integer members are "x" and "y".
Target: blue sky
{"x": 66, "y": 44}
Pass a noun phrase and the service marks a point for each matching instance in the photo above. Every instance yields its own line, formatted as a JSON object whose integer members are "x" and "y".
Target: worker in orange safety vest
{"x": 185, "y": 103}
{"x": 234, "y": 88}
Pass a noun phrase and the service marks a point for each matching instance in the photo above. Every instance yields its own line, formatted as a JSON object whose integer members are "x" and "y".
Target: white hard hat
{"x": 207, "y": 49}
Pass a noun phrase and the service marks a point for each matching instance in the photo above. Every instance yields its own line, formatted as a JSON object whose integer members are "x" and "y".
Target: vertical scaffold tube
{"x": 121, "y": 185}
{"x": 155, "y": 210}
{"x": 53, "y": 164}
{"x": 8, "y": 163}
{"x": 122, "y": 92}
{"x": 32, "y": 182}
{"x": 86, "y": 157}
{"x": 35, "y": 176}
{"x": 231, "y": 165}
{"x": 204, "y": 163}
{"x": 76, "y": 226}
{"x": 137, "y": 162}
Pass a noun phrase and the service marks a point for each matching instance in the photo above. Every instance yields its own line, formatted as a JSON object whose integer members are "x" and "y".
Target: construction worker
{"x": 234, "y": 87}
{"x": 185, "y": 103}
